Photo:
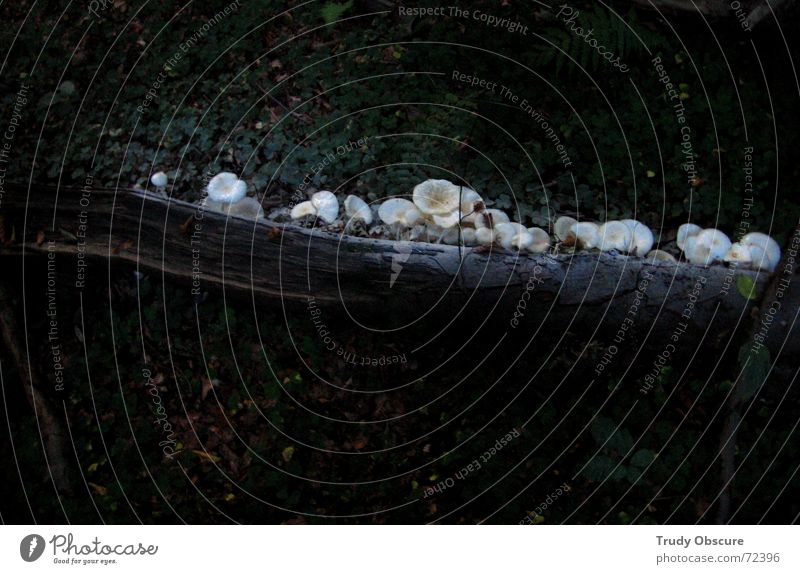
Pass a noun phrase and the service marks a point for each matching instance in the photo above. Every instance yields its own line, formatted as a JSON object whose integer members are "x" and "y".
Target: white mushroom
{"x": 583, "y": 235}
{"x": 768, "y": 245}
{"x": 520, "y": 242}
{"x": 399, "y": 213}
{"x": 659, "y": 255}
{"x": 472, "y": 205}
{"x": 327, "y": 206}
{"x": 436, "y": 197}
{"x": 615, "y": 235}
{"x": 225, "y": 187}
{"x": 686, "y": 231}
{"x": 248, "y": 207}
{"x": 447, "y": 221}
{"x": 357, "y": 209}
{"x": 303, "y": 209}
{"x": 563, "y": 227}
{"x": 541, "y": 240}
{"x": 490, "y": 217}
{"x": 642, "y": 241}
{"x": 706, "y": 247}
{"x": 513, "y": 236}
{"x": 739, "y": 254}
{"x": 159, "y": 179}
{"x": 485, "y": 236}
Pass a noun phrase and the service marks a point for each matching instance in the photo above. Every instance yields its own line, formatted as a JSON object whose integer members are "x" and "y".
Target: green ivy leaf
{"x": 332, "y": 11}
{"x": 746, "y": 286}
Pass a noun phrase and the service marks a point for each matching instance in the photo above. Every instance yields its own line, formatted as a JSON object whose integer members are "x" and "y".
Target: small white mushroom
{"x": 327, "y": 206}
{"x": 659, "y": 255}
{"x": 225, "y": 187}
{"x": 357, "y": 209}
{"x": 521, "y": 241}
{"x": 513, "y": 236}
{"x": 248, "y": 207}
{"x": 739, "y": 254}
{"x": 615, "y": 235}
{"x": 447, "y": 221}
{"x": 490, "y": 217}
{"x": 642, "y": 241}
{"x": 686, "y": 231}
{"x": 541, "y": 240}
{"x": 485, "y": 236}
{"x": 583, "y": 235}
{"x": 706, "y": 247}
{"x": 303, "y": 209}
{"x": 472, "y": 205}
{"x": 768, "y": 245}
{"x": 400, "y": 213}
{"x": 159, "y": 179}
{"x": 436, "y": 197}
{"x": 322, "y": 205}
{"x": 563, "y": 228}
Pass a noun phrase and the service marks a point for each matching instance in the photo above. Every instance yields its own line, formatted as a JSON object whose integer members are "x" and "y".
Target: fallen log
{"x": 382, "y": 284}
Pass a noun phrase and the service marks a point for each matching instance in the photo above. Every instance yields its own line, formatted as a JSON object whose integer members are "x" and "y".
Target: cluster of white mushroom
{"x": 756, "y": 251}
{"x": 441, "y": 211}
{"x": 626, "y": 236}
{"x": 225, "y": 193}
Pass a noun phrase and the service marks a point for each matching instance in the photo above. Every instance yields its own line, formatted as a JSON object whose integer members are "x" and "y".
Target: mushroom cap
{"x": 563, "y": 227}
{"x": 159, "y": 179}
{"x": 513, "y": 236}
{"x": 739, "y": 253}
{"x": 686, "y": 231}
{"x": 485, "y": 236}
{"x": 357, "y": 209}
{"x": 472, "y": 205}
{"x": 507, "y": 231}
{"x": 437, "y": 197}
{"x": 497, "y": 216}
{"x": 303, "y": 209}
{"x": 642, "y": 241}
{"x": 398, "y": 210}
{"x": 584, "y": 234}
{"x": 659, "y": 255}
{"x": 327, "y": 206}
{"x": 541, "y": 240}
{"x": 767, "y": 244}
{"x": 517, "y": 242}
{"x": 707, "y": 246}
{"x": 225, "y": 187}
{"x": 447, "y": 221}
{"x": 759, "y": 259}
{"x": 615, "y": 235}
{"x": 248, "y": 207}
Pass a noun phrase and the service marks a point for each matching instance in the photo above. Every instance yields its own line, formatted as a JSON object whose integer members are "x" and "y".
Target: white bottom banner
{"x": 372, "y": 549}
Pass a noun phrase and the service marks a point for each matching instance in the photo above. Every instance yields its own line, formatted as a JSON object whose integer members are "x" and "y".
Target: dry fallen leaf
{"x": 206, "y": 455}
{"x": 101, "y": 490}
